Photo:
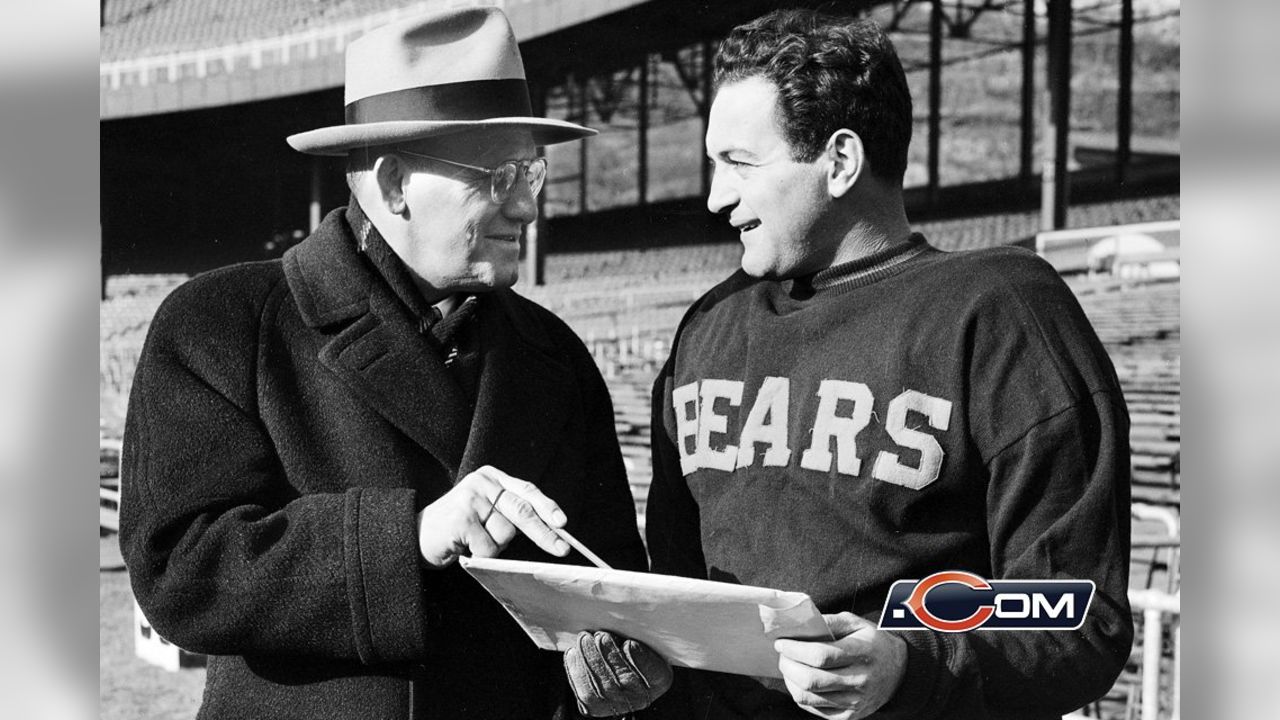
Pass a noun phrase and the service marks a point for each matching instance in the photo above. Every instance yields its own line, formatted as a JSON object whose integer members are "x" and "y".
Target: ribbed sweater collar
{"x": 861, "y": 272}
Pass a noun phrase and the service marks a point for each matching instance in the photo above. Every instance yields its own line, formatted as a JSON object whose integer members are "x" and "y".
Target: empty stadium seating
{"x": 135, "y": 28}
{"x": 1011, "y": 227}
{"x": 124, "y": 315}
{"x": 1140, "y": 325}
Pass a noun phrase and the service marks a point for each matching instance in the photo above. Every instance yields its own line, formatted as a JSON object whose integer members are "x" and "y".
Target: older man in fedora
{"x": 312, "y": 442}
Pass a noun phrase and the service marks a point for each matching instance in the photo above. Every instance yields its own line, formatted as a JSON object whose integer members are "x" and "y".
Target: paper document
{"x": 694, "y": 623}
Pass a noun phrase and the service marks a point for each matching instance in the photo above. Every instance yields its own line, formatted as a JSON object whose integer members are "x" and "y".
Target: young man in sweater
{"x": 856, "y": 407}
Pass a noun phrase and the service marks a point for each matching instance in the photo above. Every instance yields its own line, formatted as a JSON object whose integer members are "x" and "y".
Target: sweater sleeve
{"x": 1056, "y": 510}
{"x": 1049, "y": 419}
{"x": 225, "y": 556}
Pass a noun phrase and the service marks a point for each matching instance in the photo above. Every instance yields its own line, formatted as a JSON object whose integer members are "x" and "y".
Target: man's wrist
{"x": 917, "y": 684}
{"x": 900, "y": 661}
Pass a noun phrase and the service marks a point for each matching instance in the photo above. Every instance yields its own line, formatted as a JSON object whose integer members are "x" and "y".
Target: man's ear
{"x": 390, "y": 173}
{"x": 846, "y": 161}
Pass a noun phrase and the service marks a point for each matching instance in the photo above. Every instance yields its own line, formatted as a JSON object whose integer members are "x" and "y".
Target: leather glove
{"x": 612, "y": 680}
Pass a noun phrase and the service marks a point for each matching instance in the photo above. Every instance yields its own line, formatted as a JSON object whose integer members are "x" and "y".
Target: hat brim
{"x": 339, "y": 139}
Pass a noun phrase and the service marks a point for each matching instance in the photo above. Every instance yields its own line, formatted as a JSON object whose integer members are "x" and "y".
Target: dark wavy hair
{"x": 831, "y": 72}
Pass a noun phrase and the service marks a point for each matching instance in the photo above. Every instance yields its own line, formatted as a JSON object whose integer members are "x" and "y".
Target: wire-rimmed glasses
{"x": 502, "y": 177}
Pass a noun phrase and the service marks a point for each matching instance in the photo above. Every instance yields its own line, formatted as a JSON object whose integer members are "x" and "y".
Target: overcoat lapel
{"x": 524, "y": 396}
{"x": 383, "y": 359}
{"x": 377, "y": 352}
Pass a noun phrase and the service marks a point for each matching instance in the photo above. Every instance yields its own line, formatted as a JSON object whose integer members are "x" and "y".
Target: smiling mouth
{"x": 748, "y": 227}
{"x": 506, "y": 238}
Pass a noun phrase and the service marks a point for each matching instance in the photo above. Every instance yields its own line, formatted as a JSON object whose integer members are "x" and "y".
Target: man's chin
{"x": 484, "y": 285}
{"x": 763, "y": 265}
{"x": 759, "y": 270}
{"x": 772, "y": 268}
{"x": 503, "y": 280}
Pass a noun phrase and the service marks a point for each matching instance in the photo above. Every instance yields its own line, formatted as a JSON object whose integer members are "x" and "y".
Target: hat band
{"x": 469, "y": 100}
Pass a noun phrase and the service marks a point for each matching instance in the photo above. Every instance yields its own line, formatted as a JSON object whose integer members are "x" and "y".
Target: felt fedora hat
{"x": 434, "y": 75}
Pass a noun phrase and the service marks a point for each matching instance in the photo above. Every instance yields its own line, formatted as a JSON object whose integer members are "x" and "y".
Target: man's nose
{"x": 521, "y": 205}
{"x": 722, "y": 196}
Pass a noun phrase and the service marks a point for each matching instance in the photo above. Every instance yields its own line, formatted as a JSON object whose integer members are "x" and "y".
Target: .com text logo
{"x": 957, "y": 601}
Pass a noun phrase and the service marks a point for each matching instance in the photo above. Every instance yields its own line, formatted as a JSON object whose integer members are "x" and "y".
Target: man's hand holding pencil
{"x": 483, "y": 513}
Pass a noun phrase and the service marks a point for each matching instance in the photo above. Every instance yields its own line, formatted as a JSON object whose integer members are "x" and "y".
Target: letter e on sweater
{"x": 684, "y": 401}
{"x": 709, "y": 422}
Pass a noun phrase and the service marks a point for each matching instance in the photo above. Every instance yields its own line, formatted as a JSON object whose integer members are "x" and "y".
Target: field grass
{"x": 130, "y": 689}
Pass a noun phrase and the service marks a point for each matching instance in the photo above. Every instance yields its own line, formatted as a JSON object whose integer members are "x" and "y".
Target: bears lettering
{"x": 844, "y": 410}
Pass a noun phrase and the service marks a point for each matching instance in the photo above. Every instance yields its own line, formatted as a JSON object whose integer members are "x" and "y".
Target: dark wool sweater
{"x": 913, "y": 412}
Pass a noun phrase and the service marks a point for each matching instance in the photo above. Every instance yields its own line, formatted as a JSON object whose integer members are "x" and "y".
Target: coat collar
{"x": 329, "y": 279}
{"x": 522, "y": 400}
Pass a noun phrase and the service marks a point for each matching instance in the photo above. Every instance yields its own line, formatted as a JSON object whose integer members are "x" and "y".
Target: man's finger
{"x": 500, "y": 529}
{"x": 652, "y": 668}
{"x": 483, "y": 498}
{"x": 845, "y": 623}
{"x": 811, "y": 701}
{"x": 817, "y": 654}
{"x": 521, "y": 513}
{"x": 582, "y": 680}
{"x": 610, "y": 690}
{"x": 629, "y": 678}
{"x": 579, "y": 681}
{"x": 546, "y": 508}
{"x": 817, "y": 680}
{"x": 592, "y": 653}
{"x": 479, "y": 542}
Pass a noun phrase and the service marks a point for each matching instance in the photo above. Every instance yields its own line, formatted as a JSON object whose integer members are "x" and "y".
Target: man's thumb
{"x": 845, "y": 623}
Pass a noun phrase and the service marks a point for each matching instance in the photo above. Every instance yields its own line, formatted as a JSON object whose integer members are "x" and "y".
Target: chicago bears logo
{"x": 958, "y": 601}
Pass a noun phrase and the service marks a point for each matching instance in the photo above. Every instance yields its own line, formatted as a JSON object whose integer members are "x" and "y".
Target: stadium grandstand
{"x": 197, "y": 96}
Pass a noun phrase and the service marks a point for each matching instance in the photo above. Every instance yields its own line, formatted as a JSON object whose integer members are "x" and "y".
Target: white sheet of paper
{"x": 694, "y": 623}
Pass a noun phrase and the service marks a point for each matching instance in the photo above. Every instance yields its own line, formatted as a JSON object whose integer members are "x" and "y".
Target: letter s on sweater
{"x": 938, "y": 413}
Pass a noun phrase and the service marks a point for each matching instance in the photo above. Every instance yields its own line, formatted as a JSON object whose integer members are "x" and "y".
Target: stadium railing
{"x": 1160, "y": 611}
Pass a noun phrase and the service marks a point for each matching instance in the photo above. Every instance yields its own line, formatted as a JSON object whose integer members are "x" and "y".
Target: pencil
{"x": 573, "y": 541}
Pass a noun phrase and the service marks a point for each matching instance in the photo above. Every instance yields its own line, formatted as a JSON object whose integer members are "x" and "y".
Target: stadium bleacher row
{"x": 1010, "y": 227}
{"x": 124, "y": 316}
{"x": 133, "y": 28}
{"x": 1140, "y": 326}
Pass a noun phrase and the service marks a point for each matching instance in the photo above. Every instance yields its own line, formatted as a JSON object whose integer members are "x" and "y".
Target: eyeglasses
{"x": 502, "y": 178}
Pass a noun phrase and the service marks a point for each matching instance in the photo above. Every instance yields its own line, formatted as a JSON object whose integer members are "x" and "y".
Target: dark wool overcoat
{"x": 286, "y": 422}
